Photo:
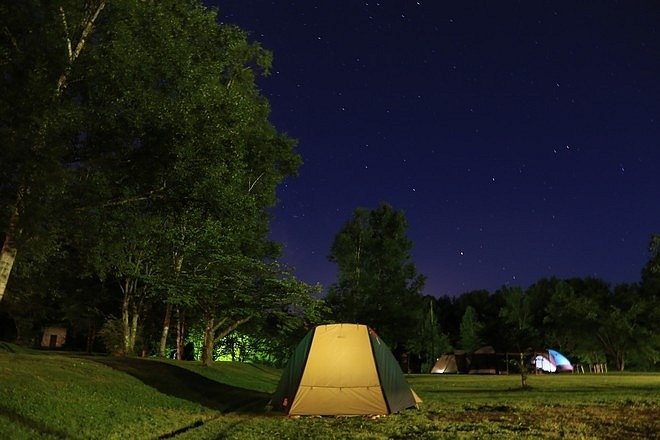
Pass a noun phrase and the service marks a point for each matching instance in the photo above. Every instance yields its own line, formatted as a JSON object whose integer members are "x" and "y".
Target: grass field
{"x": 67, "y": 396}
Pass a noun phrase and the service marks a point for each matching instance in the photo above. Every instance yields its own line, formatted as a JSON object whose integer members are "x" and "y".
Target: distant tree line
{"x": 585, "y": 318}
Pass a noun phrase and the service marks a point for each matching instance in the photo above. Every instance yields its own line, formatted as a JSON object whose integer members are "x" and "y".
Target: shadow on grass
{"x": 7, "y": 347}
{"x": 185, "y": 384}
{"x": 34, "y": 425}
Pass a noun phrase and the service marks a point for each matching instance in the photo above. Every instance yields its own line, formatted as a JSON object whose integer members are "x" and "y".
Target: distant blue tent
{"x": 562, "y": 363}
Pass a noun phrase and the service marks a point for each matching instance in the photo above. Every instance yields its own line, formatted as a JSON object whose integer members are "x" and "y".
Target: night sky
{"x": 521, "y": 139}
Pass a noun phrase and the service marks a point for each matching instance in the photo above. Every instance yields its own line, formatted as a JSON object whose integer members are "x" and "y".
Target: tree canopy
{"x": 138, "y": 143}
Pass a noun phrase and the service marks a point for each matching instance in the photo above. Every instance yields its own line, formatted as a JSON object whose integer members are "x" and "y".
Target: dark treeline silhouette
{"x": 585, "y": 318}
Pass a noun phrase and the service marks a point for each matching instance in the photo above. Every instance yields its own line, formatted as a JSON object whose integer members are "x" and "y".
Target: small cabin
{"x": 54, "y": 337}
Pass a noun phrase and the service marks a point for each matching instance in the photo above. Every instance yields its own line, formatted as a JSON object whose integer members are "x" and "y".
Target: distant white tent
{"x": 445, "y": 364}
{"x": 541, "y": 362}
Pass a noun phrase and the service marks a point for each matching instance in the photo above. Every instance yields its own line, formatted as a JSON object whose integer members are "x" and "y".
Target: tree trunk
{"x": 166, "y": 329}
{"x": 7, "y": 259}
{"x": 125, "y": 327}
{"x": 620, "y": 361}
{"x": 129, "y": 316}
{"x": 91, "y": 335}
{"x": 180, "y": 334}
{"x": 178, "y": 262}
{"x": 134, "y": 329}
{"x": 209, "y": 343}
{"x": 9, "y": 251}
{"x": 523, "y": 371}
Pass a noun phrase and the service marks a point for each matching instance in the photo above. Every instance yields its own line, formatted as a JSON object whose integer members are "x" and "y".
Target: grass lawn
{"x": 55, "y": 395}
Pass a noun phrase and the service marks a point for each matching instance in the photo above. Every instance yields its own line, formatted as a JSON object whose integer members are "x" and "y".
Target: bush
{"x": 112, "y": 335}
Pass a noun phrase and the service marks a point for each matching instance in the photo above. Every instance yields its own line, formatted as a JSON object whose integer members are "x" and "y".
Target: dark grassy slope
{"x": 185, "y": 384}
{"x": 45, "y": 394}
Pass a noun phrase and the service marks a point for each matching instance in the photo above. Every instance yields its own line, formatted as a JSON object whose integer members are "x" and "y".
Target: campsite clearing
{"x": 61, "y": 395}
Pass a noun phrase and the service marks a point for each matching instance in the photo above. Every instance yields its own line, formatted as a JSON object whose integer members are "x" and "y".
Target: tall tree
{"x": 42, "y": 43}
{"x": 195, "y": 108}
{"x": 378, "y": 283}
{"x": 429, "y": 341}
{"x": 539, "y": 296}
{"x": 517, "y": 316}
{"x": 156, "y": 121}
{"x": 571, "y": 319}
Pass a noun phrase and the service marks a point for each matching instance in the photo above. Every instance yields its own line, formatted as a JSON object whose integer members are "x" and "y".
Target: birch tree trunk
{"x": 180, "y": 334}
{"x": 125, "y": 317}
{"x": 130, "y": 315}
{"x": 9, "y": 251}
{"x": 134, "y": 328}
{"x": 166, "y": 329}
{"x": 178, "y": 263}
{"x": 9, "y": 248}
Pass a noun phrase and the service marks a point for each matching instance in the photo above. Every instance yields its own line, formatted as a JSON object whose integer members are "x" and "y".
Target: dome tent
{"x": 445, "y": 364}
{"x": 562, "y": 363}
{"x": 342, "y": 369}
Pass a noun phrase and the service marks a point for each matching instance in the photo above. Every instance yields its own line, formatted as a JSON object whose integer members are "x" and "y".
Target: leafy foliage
{"x": 155, "y": 158}
{"x": 471, "y": 329}
{"x": 378, "y": 285}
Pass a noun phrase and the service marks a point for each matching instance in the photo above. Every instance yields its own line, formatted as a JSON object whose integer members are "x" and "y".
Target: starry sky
{"x": 520, "y": 138}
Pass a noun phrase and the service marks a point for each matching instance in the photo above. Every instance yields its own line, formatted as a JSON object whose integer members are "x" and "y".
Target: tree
{"x": 571, "y": 320}
{"x": 649, "y": 294}
{"x": 156, "y": 144}
{"x": 449, "y": 316}
{"x": 470, "y": 330}
{"x": 196, "y": 108}
{"x": 486, "y": 307}
{"x": 128, "y": 255}
{"x": 539, "y": 296}
{"x": 42, "y": 43}
{"x": 233, "y": 293}
{"x": 429, "y": 340}
{"x": 651, "y": 270}
{"x": 517, "y": 315}
{"x": 378, "y": 284}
